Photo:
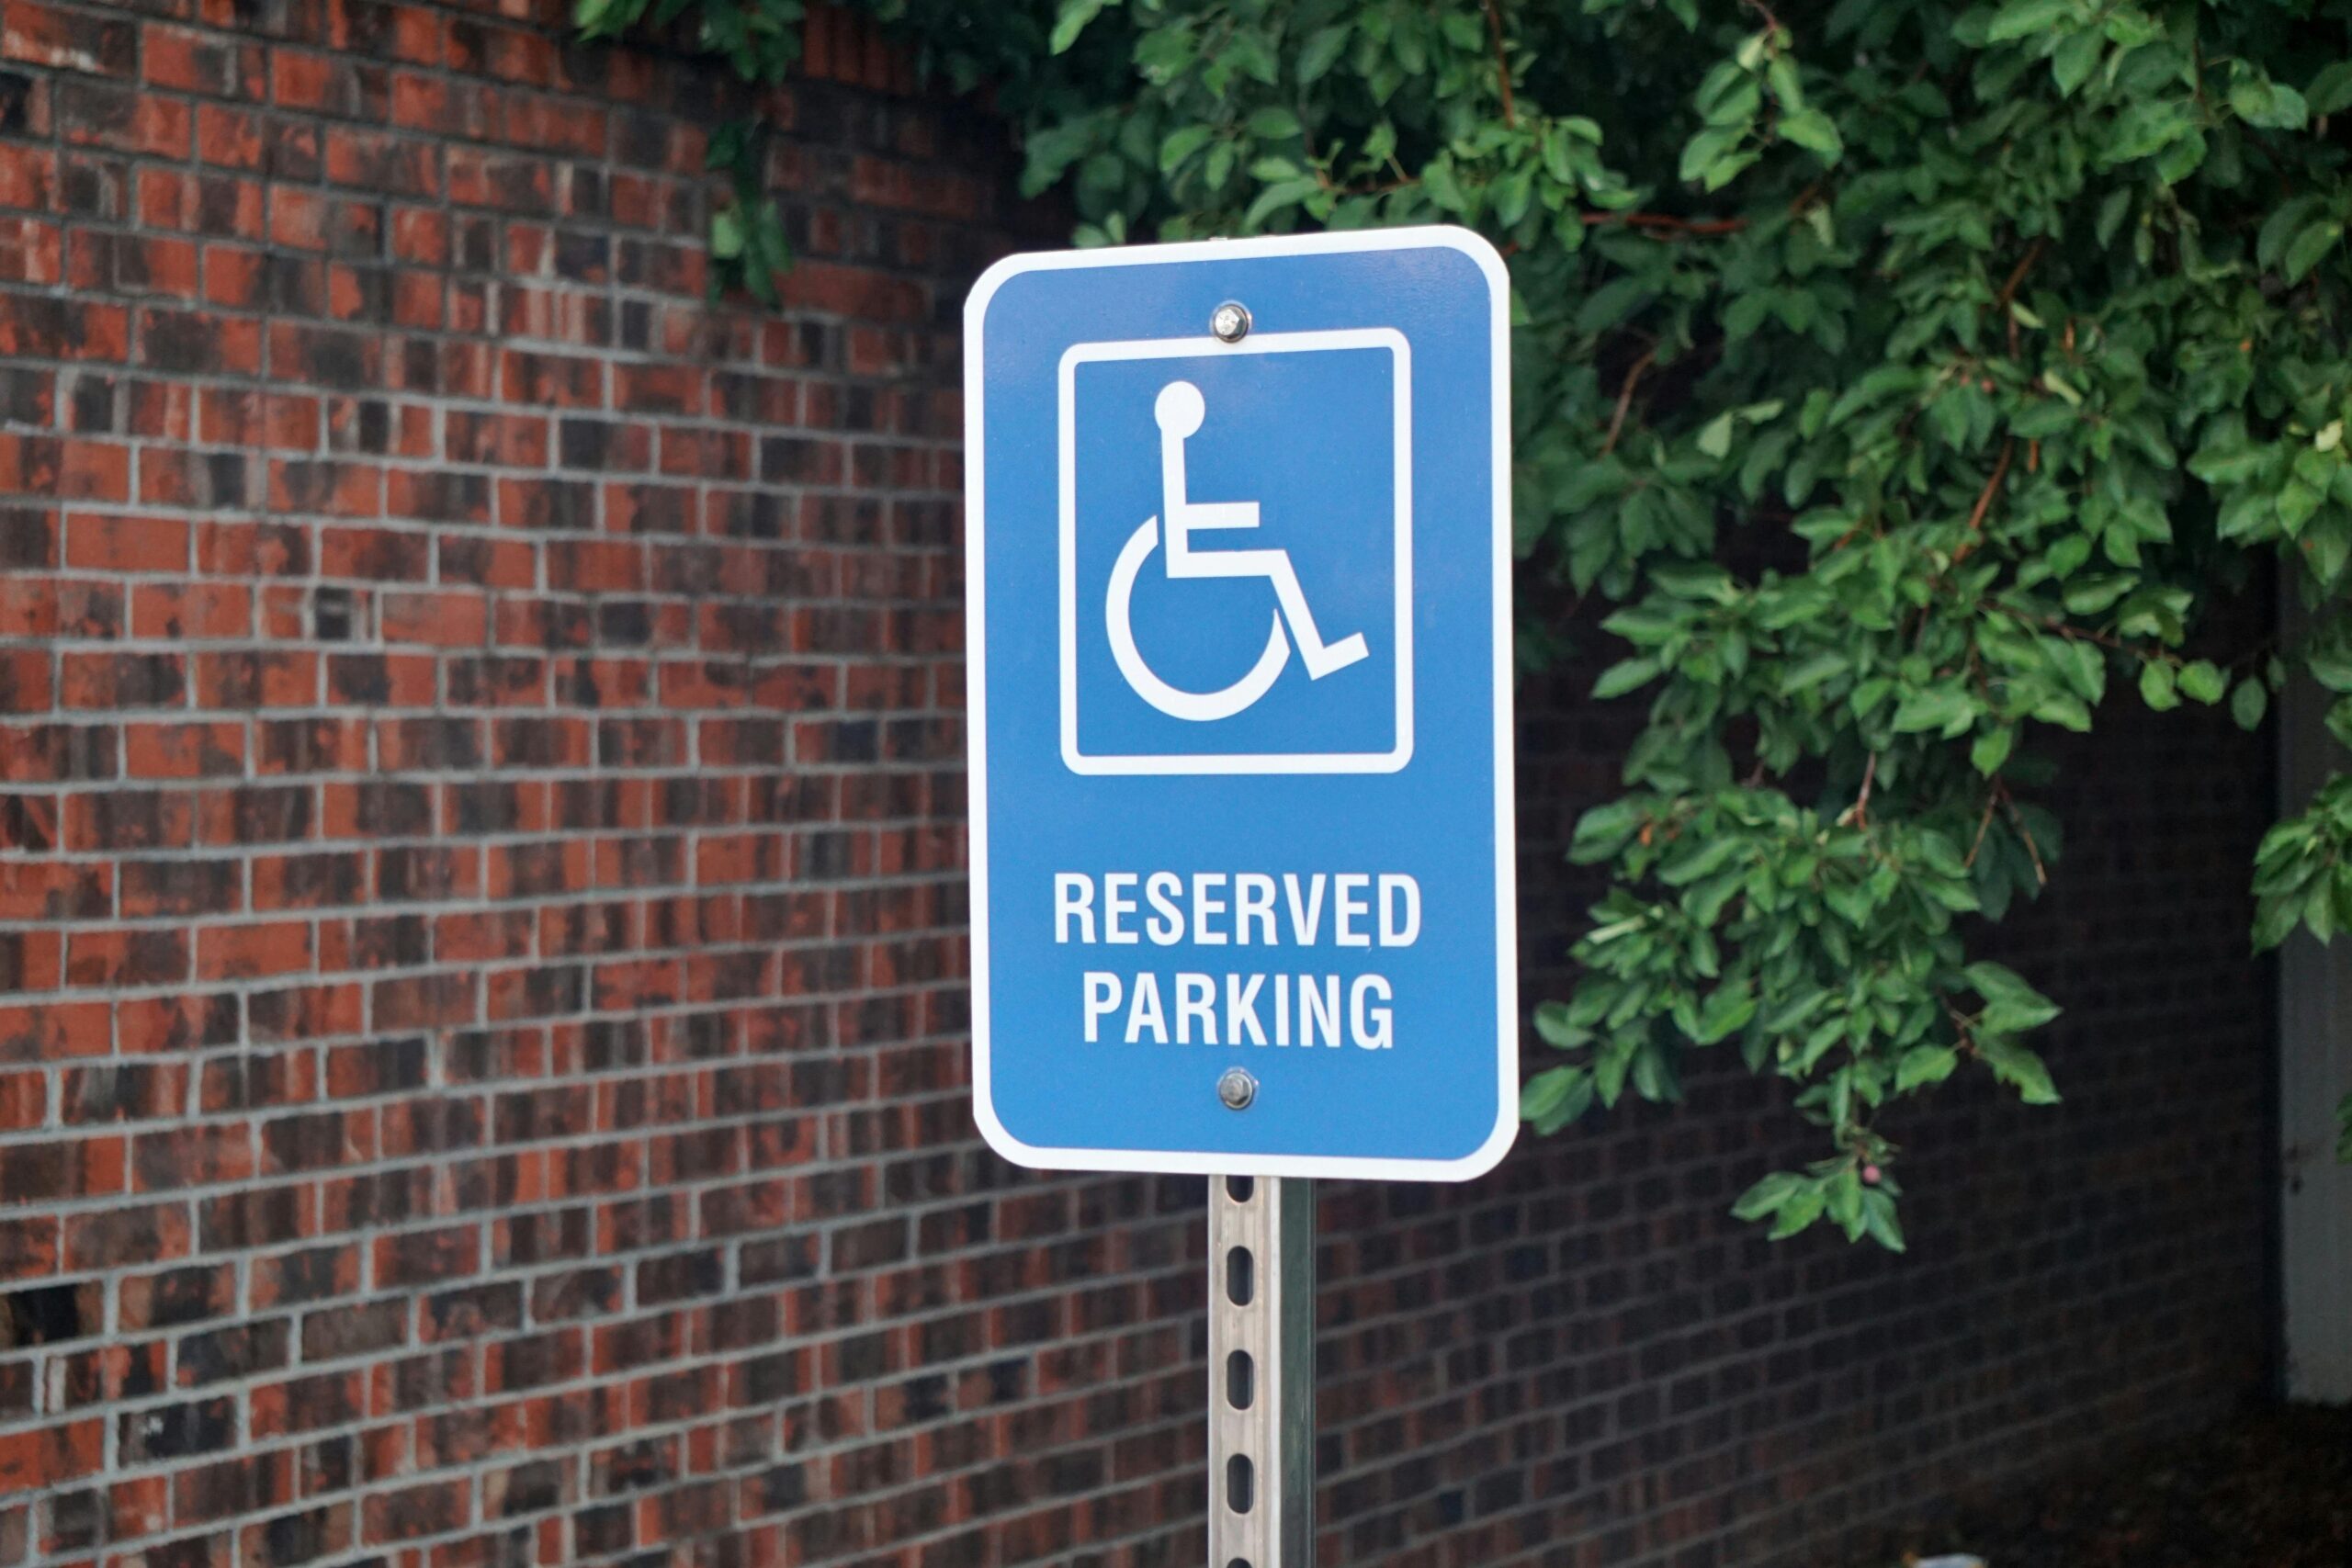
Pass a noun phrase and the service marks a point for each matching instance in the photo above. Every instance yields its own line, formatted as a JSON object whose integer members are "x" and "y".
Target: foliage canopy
{"x": 1913, "y": 379}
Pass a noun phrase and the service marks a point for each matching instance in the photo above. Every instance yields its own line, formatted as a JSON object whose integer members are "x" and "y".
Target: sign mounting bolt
{"x": 1230, "y": 323}
{"x": 1237, "y": 1088}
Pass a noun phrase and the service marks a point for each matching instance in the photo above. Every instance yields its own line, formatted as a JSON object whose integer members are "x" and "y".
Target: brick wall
{"x": 481, "y": 1069}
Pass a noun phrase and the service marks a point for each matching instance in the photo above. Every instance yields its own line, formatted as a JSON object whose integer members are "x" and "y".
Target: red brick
{"x": 200, "y": 1155}
{"x": 30, "y": 252}
{"x": 230, "y": 137}
{"x": 24, "y": 1100}
{"x": 183, "y": 750}
{"x": 139, "y": 956}
{"x": 198, "y": 341}
{"x": 249, "y": 952}
{"x": 249, "y": 680}
{"x": 43, "y": 35}
{"x": 309, "y": 881}
{"x": 122, "y": 119}
{"x": 101, "y": 543}
{"x": 115, "y": 681}
{"x": 129, "y": 820}
{"x": 37, "y": 890}
{"x": 55, "y": 1034}
{"x": 308, "y": 1404}
{"x": 31, "y": 960}
{"x": 155, "y": 887}
{"x": 145, "y": 1233}
{"x": 138, "y": 1508}
{"x": 26, "y": 684}
{"x": 189, "y": 62}
{"x": 449, "y": 620}
{"x": 191, "y": 611}
{"x": 28, "y": 176}
{"x": 52, "y": 1456}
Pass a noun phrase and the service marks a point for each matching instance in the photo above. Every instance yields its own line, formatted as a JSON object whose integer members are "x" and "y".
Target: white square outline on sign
{"x": 1499, "y": 558}
{"x": 1401, "y": 442}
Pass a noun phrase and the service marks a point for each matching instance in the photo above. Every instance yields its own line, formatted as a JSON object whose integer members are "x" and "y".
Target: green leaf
{"x": 2331, "y": 667}
{"x": 2111, "y": 213}
{"x": 1715, "y": 438}
{"x": 1443, "y": 189}
{"x": 1924, "y": 1065}
{"x": 2157, "y": 687}
{"x": 1813, "y": 670}
{"x": 2261, "y": 102}
{"x": 2204, "y": 681}
{"x": 2022, "y": 18}
{"x": 2019, "y": 1068}
{"x": 1939, "y": 707}
{"x": 2075, "y": 59}
{"x": 1071, "y": 21}
{"x": 1728, "y": 1010}
{"x": 1557, "y": 1027}
{"x": 1815, "y": 131}
{"x": 1554, "y": 1098}
{"x": 1703, "y": 858}
{"x": 1181, "y": 143}
{"x": 1704, "y": 150}
{"x": 727, "y": 233}
{"x": 2284, "y": 221}
{"x": 2011, "y": 1006}
{"x": 1798, "y": 1210}
{"x": 2331, "y": 90}
{"x": 2310, "y": 248}
{"x": 1604, "y": 831}
{"x": 1879, "y": 1221}
{"x": 2249, "y": 703}
{"x": 1768, "y": 1195}
{"x": 2146, "y": 129}
{"x": 1544, "y": 1091}
{"x": 1623, "y": 677}
{"x": 1275, "y": 197}
{"x": 1272, "y": 123}
{"x": 1321, "y": 53}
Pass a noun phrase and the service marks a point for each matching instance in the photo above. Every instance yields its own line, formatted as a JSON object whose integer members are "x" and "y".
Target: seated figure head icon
{"x": 1180, "y": 409}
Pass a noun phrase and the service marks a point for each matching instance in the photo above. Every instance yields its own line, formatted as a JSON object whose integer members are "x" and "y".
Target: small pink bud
{"x": 1869, "y": 1176}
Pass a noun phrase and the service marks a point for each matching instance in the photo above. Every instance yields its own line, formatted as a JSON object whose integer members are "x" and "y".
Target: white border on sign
{"x": 1184, "y": 1162}
{"x": 1388, "y": 761}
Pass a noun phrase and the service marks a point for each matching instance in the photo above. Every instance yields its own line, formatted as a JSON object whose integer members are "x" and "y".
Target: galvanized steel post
{"x": 1262, "y": 1372}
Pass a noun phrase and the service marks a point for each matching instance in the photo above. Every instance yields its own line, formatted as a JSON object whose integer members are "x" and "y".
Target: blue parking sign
{"x": 1237, "y": 551}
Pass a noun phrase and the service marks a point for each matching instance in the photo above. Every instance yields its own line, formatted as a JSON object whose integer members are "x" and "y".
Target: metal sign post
{"x": 1262, "y": 1372}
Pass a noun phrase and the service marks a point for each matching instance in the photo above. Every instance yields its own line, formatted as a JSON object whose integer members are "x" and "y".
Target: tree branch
{"x": 1992, "y": 799}
{"x": 2002, "y": 302}
{"x": 1502, "y": 62}
{"x": 1625, "y": 399}
{"x": 2017, "y": 274}
{"x": 2032, "y": 850}
{"x": 1985, "y": 499}
{"x": 1667, "y": 223}
{"x": 1860, "y": 812}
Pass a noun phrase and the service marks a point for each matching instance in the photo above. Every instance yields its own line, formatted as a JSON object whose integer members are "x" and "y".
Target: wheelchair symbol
{"x": 1179, "y": 410}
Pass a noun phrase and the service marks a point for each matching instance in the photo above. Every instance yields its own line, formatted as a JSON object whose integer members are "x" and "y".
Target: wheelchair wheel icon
{"x": 1179, "y": 412}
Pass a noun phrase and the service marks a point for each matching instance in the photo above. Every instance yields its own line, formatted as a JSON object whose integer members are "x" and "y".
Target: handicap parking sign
{"x": 1238, "y": 552}
{"x": 1241, "y": 676}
